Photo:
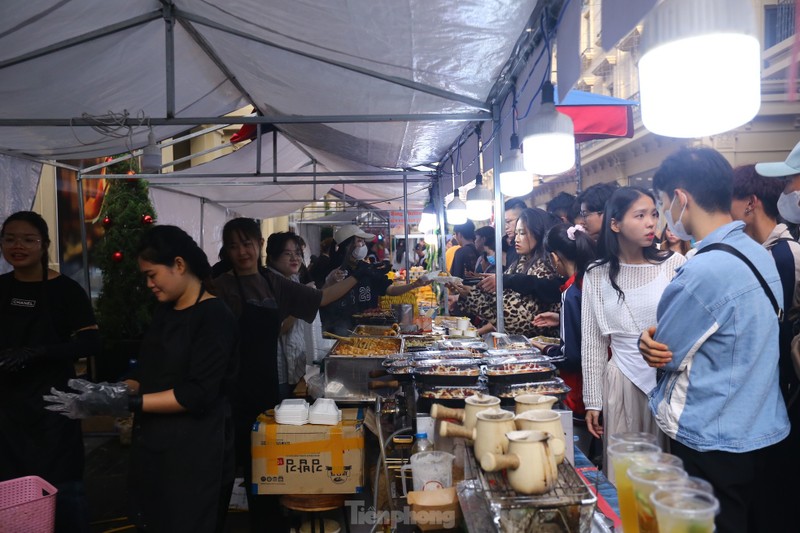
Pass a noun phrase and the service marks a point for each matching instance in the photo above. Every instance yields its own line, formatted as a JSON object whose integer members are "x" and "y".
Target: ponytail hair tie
{"x": 571, "y": 231}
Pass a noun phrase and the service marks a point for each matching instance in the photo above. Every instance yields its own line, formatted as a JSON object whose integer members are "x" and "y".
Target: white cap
{"x": 351, "y": 230}
{"x": 780, "y": 169}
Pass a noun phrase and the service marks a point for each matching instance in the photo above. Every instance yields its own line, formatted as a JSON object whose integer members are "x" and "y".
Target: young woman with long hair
{"x": 518, "y": 309}
{"x": 178, "y": 392}
{"x": 262, "y": 300}
{"x": 46, "y": 322}
{"x": 284, "y": 258}
{"x": 620, "y": 296}
{"x": 571, "y": 250}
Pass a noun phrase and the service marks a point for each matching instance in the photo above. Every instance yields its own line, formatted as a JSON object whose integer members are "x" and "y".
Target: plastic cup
{"x": 681, "y": 510}
{"x": 621, "y": 456}
{"x": 646, "y": 478}
{"x": 633, "y": 436}
{"x": 462, "y": 323}
{"x": 662, "y": 458}
{"x": 691, "y": 482}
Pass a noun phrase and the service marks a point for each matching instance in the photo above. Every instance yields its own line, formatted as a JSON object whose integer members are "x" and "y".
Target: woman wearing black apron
{"x": 262, "y": 300}
{"x": 46, "y": 322}
{"x": 182, "y": 462}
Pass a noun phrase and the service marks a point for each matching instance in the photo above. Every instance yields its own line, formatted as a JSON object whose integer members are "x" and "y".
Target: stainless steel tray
{"x": 358, "y": 347}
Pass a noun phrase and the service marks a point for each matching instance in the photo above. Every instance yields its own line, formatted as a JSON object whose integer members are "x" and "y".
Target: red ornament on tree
{"x": 147, "y": 219}
{"x": 116, "y": 257}
{"x": 106, "y": 221}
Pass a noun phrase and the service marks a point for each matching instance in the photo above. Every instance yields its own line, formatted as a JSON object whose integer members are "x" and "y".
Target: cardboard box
{"x": 308, "y": 459}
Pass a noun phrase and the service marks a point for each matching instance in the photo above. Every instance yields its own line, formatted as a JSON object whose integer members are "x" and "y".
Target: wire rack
{"x": 566, "y": 508}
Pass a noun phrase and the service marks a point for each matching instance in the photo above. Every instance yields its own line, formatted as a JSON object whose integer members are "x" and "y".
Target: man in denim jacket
{"x": 716, "y": 340}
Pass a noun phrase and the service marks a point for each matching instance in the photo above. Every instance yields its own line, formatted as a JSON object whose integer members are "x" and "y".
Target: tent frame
{"x": 485, "y": 110}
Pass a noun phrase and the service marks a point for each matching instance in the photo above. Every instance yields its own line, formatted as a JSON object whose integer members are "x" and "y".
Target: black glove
{"x": 363, "y": 271}
{"x": 113, "y": 399}
{"x": 15, "y": 359}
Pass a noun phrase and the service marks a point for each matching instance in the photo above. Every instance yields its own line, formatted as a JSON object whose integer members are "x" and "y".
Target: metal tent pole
{"x": 405, "y": 224}
{"x": 84, "y": 248}
{"x": 498, "y": 217}
{"x": 441, "y": 222}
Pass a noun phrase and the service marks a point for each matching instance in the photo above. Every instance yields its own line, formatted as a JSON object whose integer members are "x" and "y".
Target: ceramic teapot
{"x": 543, "y": 420}
{"x": 530, "y": 402}
{"x": 530, "y": 462}
{"x": 472, "y": 406}
{"x": 489, "y": 433}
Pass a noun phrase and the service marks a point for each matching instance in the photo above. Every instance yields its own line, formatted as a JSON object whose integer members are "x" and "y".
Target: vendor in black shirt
{"x": 46, "y": 322}
{"x": 262, "y": 301}
{"x": 181, "y": 465}
{"x": 337, "y": 318}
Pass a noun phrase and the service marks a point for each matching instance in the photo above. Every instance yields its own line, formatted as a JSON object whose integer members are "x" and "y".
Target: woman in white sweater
{"x": 620, "y": 296}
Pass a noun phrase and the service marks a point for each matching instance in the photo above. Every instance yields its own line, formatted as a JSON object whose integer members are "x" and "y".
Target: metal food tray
{"x": 567, "y": 508}
{"x": 366, "y": 330}
{"x": 396, "y": 342}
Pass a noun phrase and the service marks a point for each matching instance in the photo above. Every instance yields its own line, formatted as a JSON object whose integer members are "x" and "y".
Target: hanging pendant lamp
{"x": 479, "y": 198}
{"x": 549, "y": 139}
{"x": 700, "y": 72}
{"x": 456, "y": 211}
{"x": 514, "y": 179}
{"x": 428, "y": 221}
{"x": 479, "y": 201}
{"x": 151, "y": 155}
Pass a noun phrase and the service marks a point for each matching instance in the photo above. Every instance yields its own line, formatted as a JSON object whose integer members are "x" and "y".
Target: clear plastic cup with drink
{"x": 691, "y": 482}
{"x": 661, "y": 458}
{"x": 621, "y": 455}
{"x": 646, "y": 478}
{"x": 632, "y": 436}
{"x": 682, "y": 510}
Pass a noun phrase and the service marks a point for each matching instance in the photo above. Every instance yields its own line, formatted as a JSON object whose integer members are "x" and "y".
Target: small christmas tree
{"x": 124, "y": 307}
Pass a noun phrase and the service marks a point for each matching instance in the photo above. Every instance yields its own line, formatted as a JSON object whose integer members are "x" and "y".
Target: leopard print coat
{"x": 518, "y": 310}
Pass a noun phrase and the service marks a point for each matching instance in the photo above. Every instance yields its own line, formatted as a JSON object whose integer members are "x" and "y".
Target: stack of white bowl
{"x": 292, "y": 411}
{"x": 325, "y": 412}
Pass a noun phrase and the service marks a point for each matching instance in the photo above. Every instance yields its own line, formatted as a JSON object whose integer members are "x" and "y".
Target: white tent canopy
{"x": 381, "y": 83}
{"x": 396, "y": 80}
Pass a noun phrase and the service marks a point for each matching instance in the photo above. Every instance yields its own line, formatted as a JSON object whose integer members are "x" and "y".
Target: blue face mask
{"x": 676, "y": 226}
{"x": 491, "y": 259}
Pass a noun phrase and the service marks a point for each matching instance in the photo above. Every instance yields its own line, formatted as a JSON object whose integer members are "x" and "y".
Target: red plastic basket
{"x": 27, "y": 505}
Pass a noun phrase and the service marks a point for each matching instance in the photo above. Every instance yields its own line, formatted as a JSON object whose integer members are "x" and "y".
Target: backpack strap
{"x": 733, "y": 251}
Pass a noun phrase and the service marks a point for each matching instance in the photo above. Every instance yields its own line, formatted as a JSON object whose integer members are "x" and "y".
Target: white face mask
{"x": 788, "y": 206}
{"x": 359, "y": 252}
{"x": 676, "y": 227}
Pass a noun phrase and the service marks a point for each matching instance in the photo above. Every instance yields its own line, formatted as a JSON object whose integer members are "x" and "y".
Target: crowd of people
{"x": 677, "y": 314}
{"x": 685, "y": 331}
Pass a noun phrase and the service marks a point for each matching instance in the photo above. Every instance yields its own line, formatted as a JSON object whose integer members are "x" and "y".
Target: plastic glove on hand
{"x": 15, "y": 359}
{"x": 103, "y": 398}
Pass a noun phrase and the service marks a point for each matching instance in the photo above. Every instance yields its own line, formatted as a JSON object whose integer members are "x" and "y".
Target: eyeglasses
{"x": 24, "y": 241}
{"x": 585, "y": 214}
{"x": 289, "y": 254}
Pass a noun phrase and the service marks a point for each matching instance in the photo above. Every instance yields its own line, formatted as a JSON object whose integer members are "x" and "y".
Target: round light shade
{"x": 151, "y": 156}
{"x": 549, "y": 142}
{"x": 700, "y": 72}
{"x": 514, "y": 179}
{"x": 427, "y": 221}
{"x": 456, "y": 210}
{"x": 479, "y": 203}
